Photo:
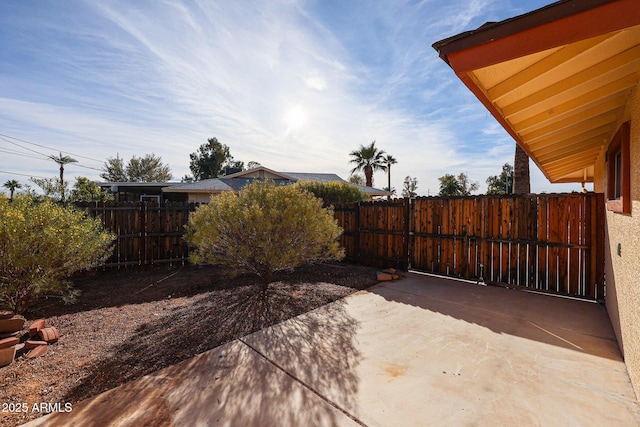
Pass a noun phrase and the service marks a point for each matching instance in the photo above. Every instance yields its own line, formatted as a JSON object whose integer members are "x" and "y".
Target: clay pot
{"x": 35, "y": 327}
{"x": 9, "y": 342}
{"x": 29, "y": 344}
{"x": 6, "y": 314}
{"x": 36, "y": 352}
{"x": 49, "y": 335}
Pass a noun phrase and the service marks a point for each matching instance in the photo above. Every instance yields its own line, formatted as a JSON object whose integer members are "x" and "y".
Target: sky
{"x": 294, "y": 85}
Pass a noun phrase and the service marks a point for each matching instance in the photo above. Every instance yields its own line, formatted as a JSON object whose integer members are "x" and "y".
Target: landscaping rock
{"x": 6, "y": 314}
{"x": 35, "y": 327}
{"x": 9, "y": 342}
{"x": 49, "y": 335}
{"x": 36, "y": 352}
{"x": 13, "y": 324}
{"x": 7, "y": 355}
{"x": 29, "y": 344}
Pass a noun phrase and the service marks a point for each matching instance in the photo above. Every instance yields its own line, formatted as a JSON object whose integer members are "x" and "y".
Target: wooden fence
{"x": 552, "y": 243}
{"x": 375, "y": 233}
{"x": 147, "y": 234}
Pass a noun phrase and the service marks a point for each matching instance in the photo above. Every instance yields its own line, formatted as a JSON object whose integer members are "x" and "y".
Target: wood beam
{"x": 603, "y": 73}
{"x": 544, "y": 66}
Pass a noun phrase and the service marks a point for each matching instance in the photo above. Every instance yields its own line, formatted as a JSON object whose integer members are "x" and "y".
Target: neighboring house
{"x": 563, "y": 81}
{"x": 201, "y": 191}
{"x": 140, "y": 191}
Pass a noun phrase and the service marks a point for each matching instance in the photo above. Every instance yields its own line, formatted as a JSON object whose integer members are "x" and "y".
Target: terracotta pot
{"x": 36, "y": 352}
{"x": 9, "y": 342}
{"x": 29, "y": 344}
{"x": 12, "y": 324}
{"x": 49, "y": 335}
{"x": 6, "y": 314}
{"x": 35, "y": 327}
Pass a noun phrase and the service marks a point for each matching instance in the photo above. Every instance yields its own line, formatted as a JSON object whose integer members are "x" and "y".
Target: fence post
{"x": 406, "y": 231}
{"x": 143, "y": 236}
{"x": 356, "y": 257}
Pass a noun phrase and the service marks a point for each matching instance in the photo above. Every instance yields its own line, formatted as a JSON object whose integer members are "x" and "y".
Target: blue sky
{"x": 294, "y": 85}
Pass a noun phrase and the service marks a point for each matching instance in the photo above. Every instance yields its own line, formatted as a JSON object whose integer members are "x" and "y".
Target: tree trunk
{"x": 389, "y": 180}
{"x": 368, "y": 173}
{"x": 61, "y": 183}
{"x": 521, "y": 178}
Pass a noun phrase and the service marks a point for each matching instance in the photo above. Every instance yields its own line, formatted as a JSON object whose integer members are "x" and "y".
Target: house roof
{"x": 239, "y": 180}
{"x": 214, "y": 185}
{"x": 557, "y": 79}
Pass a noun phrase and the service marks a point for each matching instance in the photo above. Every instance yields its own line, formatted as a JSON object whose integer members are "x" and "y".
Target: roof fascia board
{"x": 555, "y": 25}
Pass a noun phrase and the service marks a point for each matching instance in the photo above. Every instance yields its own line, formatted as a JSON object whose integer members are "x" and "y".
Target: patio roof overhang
{"x": 557, "y": 79}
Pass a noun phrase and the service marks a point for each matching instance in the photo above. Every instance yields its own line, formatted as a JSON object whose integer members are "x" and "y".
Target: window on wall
{"x": 618, "y": 172}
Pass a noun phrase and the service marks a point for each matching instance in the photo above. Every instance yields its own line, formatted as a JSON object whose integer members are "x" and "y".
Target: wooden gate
{"x": 547, "y": 242}
{"x": 552, "y": 243}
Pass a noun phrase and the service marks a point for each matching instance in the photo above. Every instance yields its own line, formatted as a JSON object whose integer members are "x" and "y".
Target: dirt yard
{"x": 128, "y": 324}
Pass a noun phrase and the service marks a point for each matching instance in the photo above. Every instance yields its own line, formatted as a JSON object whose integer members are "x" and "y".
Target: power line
{"x": 43, "y": 146}
{"x": 17, "y": 153}
{"x": 23, "y": 174}
{"x": 88, "y": 167}
{"x": 24, "y": 148}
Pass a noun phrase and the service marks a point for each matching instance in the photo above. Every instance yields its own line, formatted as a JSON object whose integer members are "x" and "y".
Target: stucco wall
{"x": 623, "y": 270}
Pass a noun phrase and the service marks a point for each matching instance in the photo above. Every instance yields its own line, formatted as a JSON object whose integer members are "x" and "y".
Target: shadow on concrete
{"x": 232, "y": 384}
{"x": 572, "y": 324}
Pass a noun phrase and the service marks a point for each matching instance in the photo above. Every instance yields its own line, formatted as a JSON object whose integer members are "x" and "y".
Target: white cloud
{"x": 133, "y": 78}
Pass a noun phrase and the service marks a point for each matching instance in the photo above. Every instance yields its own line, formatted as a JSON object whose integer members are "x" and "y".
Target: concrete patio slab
{"x": 420, "y": 351}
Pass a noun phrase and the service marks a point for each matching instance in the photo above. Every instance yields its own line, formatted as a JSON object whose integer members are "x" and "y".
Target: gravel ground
{"x": 128, "y": 324}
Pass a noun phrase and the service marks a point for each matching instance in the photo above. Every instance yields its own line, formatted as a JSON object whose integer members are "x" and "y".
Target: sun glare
{"x": 295, "y": 118}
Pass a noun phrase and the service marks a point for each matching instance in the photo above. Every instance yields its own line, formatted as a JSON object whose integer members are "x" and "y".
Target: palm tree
{"x": 62, "y": 160}
{"x": 368, "y": 159}
{"x": 521, "y": 177}
{"x": 389, "y": 160}
{"x": 12, "y": 185}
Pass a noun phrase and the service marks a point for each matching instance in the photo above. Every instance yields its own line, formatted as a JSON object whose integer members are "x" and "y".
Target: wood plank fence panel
{"x": 552, "y": 243}
{"x": 146, "y": 233}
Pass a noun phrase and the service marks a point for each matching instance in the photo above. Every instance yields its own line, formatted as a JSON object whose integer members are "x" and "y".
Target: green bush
{"x": 333, "y": 192}
{"x": 264, "y": 229}
{"x": 41, "y": 244}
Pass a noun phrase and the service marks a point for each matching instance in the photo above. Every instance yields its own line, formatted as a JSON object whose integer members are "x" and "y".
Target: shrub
{"x": 41, "y": 244}
{"x": 264, "y": 229}
{"x": 333, "y": 192}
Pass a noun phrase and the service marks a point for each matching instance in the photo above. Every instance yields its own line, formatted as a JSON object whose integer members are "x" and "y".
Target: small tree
{"x": 51, "y": 187}
{"x": 148, "y": 168}
{"x": 503, "y": 183}
{"x": 334, "y": 192}
{"x": 210, "y": 159}
{"x": 264, "y": 229}
{"x": 85, "y": 190}
{"x": 410, "y": 186}
{"x": 356, "y": 179}
{"x": 42, "y": 243}
{"x": 461, "y": 185}
{"x": 114, "y": 170}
